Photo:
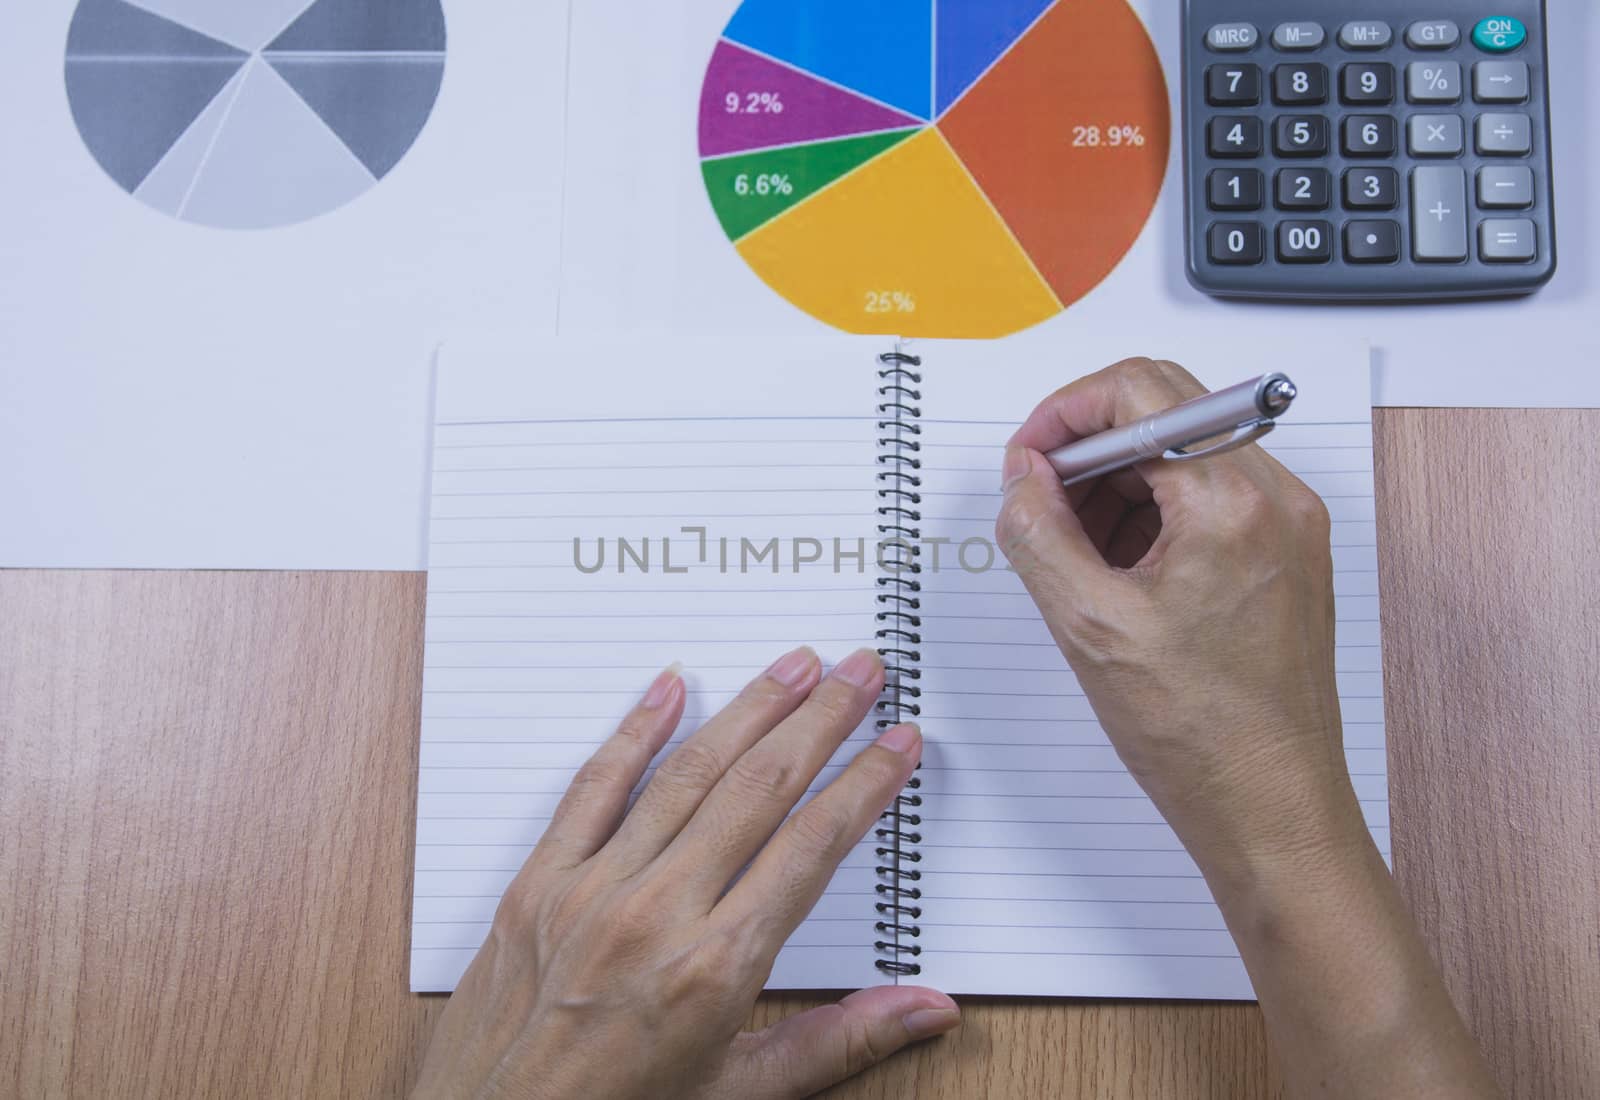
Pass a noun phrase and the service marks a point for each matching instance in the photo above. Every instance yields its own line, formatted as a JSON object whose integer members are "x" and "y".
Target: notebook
{"x": 603, "y": 508}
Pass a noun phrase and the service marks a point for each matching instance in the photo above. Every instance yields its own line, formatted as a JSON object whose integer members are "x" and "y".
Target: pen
{"x": 1244, "y": 413}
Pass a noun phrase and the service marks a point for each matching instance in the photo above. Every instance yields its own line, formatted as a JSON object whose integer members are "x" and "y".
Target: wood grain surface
{"x": 207, "y": 788}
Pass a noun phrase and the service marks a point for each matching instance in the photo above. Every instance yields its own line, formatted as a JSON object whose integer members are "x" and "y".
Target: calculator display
{"x": 1367, "y": 150}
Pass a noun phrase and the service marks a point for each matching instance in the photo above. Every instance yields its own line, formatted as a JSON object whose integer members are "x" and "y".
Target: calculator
{"x": 1367, "y": 150}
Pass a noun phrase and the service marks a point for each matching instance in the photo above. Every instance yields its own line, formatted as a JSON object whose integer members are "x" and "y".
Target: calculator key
{"x": 1435, "y": 135}
{"x": 1371, "y": 189}
{"x": 1300, "y": 84}
{"x": 1301, "y": 242}
{"x": 1234, "y": 136}
{"x": 1365, "y": 34}
{"x": 1500, "y": 82}
{"x": 1432, "y": 34}
{"x": 1439, "y": 213}
{"x": 1236, "y": 243}
{"x": 1499, "y": 34}
{"x": 1505, "y": 187}
{"x": 1297, "y": 36}
{"x": 1233, "y": 85}
{"x": 1374, "y": 242}
{"x": 1504, "y": 135}
{"x": 1507, "y": 241}
{"x": 1303, "y": 188}
{"x": 1234, "y": 189}
{"x": 1367, "y": 82}
{"x": 1433, "y": 81}
{"x": 1300, "y": 135}
{"x": 1370, "y": 136}
{"x": 1229, "y": 37}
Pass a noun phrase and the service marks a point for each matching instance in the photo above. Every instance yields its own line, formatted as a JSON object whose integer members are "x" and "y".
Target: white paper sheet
{"x": 656, "y": 258}
{"x": 1044, "y": 869}
{"x": 178, "y": 396}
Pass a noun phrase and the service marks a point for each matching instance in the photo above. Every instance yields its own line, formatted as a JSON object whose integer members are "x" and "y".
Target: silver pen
{"x": 1244, "y": 413}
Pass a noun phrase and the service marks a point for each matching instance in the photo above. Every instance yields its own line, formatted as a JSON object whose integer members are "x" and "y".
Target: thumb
{"x": 814, "y": 1050}
{"x": 1040, "y": 534}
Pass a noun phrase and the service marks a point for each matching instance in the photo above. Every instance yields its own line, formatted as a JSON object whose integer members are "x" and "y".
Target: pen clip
{"x": 1243, "y": 436}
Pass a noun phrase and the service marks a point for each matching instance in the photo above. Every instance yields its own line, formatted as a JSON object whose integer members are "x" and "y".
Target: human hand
{"x": 621, "y": 964}
{"x": 1195, "y": 603}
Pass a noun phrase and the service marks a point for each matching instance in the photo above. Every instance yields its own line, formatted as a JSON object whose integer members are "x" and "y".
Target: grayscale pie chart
{"x": 252, "y": 114}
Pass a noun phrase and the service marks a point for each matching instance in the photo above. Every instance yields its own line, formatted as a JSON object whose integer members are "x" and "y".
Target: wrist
{"x": 1266, "y": 868}
{"x": 1280, "y": 824}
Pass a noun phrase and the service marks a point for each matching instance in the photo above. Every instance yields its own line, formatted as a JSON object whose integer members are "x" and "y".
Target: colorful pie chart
{"x": 937, "y": 168}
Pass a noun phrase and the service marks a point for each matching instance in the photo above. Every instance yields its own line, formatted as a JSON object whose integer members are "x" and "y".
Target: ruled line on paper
{"x": 603, "y": 657}
{"x": 974, "y": 624}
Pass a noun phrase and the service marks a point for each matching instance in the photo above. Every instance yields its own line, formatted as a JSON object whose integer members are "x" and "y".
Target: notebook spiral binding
{"x": 899, "y": 636}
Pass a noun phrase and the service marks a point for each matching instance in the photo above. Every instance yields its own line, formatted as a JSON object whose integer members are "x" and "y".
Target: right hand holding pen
{"x": 1195, "y": 603}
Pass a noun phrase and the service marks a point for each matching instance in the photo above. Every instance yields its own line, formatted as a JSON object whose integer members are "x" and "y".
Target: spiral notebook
{"x": 601, "y": 509}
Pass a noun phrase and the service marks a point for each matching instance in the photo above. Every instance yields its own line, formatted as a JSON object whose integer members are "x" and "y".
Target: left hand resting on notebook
{"x": 617, "y": 966}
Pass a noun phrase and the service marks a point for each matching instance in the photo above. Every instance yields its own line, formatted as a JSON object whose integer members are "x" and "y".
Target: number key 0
{"x": 1236, "y": 243}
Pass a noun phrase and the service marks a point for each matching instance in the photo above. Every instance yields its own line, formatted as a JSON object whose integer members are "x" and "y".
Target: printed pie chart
{"x": 937, "y": 168}
{"x": 252, "y": 114}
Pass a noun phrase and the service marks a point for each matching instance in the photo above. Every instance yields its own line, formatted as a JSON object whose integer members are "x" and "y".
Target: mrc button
{"x": 1499, "y": 34}
{"x": 1228, "y": 37}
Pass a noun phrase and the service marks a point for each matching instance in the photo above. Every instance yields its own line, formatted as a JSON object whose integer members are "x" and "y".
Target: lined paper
{"x": 531, "y": 661}
{"x": 1046, "y": 870}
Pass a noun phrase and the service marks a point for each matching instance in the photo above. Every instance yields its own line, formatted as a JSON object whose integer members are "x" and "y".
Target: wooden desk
{"x": 207, "y": 784}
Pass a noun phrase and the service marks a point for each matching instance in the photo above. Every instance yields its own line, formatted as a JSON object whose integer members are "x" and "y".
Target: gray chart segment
{"x": 274, "y": 162}
{"x": 131, "y": 112}
{"x": 167, "y": 186}
{"x": 114, "y": 29}
{"x": 368, "y": 26}
{"x": 248, "y": 24}
{"x": 378, "y": 106}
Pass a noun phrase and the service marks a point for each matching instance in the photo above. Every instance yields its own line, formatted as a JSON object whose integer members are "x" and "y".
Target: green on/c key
{"x": 1499, "y": 34}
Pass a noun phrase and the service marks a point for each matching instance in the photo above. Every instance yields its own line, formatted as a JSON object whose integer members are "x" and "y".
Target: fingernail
{"x": 664, "y": 685}
{"x": 925, "y": 1023}
{"x": 1018, "y": 464}
{"x": 860, "y": 669}
{"x": 900, "y": 738}
{"x": 792, "y": 669}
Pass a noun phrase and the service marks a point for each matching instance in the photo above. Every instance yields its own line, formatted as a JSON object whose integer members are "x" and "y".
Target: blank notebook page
{"x": 1045, "y": 869}
{"x": 531, "y": 661}
{"x": 1041, "y": 867}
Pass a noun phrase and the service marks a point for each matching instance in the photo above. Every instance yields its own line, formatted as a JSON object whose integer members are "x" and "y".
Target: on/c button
{"x": 1499, "y": 34}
